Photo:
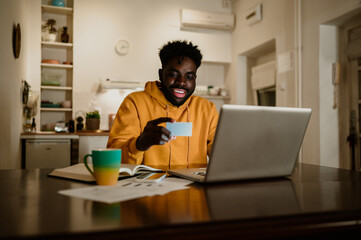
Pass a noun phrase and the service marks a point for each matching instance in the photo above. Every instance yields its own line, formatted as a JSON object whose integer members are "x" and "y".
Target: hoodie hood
{"x": 153, "y": 89}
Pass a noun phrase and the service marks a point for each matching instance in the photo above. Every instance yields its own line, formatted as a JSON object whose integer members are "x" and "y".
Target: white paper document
{"x": 127, "y": 189}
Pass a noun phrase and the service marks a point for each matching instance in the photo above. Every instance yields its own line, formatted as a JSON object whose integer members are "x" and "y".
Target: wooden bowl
{"x": 51, "y": 61}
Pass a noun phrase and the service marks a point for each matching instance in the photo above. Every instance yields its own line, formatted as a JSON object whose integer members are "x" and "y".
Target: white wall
{"x": 89, "y": 143}
{"x": 33, "y": 41}
{"x": 313, "y": 82}
{"x": 147, "y": 25}
{"x": 277, "y": 25}
{"x": 329, "y": 140}
{"x": 97, "y": 26}
{"x": 274, "y": 34}
{"x": 315, "y": 75}
{"x": 12, "y": 71}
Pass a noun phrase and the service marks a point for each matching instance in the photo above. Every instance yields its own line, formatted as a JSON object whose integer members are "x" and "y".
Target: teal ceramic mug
{"x": 106, "y": 164}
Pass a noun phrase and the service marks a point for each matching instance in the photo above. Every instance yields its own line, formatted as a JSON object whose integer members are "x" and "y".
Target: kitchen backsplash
{"x": 106, "y": 102}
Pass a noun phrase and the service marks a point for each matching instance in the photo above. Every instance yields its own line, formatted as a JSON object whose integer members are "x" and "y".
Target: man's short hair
{"x": 180, "y": 49}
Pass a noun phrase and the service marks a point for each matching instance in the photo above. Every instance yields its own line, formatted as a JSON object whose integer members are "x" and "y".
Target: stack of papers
{"x": 127, "y": 189}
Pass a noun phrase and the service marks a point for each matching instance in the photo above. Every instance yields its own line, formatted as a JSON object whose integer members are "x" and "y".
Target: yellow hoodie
{"x": 140, "y": 107}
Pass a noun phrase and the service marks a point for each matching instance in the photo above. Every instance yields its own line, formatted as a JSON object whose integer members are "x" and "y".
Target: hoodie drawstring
{"x": 188, "y": 153}
{"x": 170, "y": 145}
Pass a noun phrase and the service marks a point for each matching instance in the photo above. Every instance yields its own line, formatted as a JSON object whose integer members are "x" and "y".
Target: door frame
{"x": 347, "y": 98}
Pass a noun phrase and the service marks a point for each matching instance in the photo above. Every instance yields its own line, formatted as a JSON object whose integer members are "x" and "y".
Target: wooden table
{"x": 319, "y": 201}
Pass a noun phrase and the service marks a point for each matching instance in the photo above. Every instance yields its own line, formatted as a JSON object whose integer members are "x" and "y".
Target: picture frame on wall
{"x": 16, "y": 40}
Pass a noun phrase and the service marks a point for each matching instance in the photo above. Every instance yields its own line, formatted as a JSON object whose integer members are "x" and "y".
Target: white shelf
{"x": 56, "y": 50}
{"x": 57, "y": 44}
{"x": 215, "y": 97}
{"x": 56, "y": 88}
{"x": 49, "y": 65}
{"x": 48, "y": 135}
{"x": 57, "y": 10}
{"x": 56, "y": 109}
{"x": 225, "y": 63}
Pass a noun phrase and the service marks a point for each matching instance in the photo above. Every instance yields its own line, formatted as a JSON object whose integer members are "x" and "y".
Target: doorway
{"x": 350, "y": 94}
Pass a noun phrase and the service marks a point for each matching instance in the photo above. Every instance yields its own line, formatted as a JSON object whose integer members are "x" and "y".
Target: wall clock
{"x": 122, "y": 47}
{"x": 16, "y": 40}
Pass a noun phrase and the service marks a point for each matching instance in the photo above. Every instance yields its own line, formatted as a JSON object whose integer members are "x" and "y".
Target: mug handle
{"x": 86, "y": 163}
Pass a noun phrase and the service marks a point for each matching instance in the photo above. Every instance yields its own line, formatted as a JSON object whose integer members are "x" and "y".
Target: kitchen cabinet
{"x": 89, "y": 143}
{"x": 56, "y": 76}
{"x": 52, "y": 150}
{"x": 217, "y": 100}
{"x": 211, "y": 83}
{"x": 49, "y": 151}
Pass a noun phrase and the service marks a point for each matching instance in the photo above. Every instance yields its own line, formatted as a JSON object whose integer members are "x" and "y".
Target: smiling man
{"x": 139, "y": 128}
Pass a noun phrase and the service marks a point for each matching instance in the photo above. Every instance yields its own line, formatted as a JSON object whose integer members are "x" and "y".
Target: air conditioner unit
{"x": 120, "y": 84}
{"x": 199, "y": 19}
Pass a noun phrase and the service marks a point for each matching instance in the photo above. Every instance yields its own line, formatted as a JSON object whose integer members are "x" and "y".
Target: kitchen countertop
{"x": 93, "y": 133}
{"x": 49, "y": 135}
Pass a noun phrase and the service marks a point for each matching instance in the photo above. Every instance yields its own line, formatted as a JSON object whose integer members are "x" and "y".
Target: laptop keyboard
{"x": 201, "y": 173}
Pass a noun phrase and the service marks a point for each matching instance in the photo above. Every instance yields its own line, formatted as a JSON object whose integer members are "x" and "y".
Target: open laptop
{"x": 253, "y": 142}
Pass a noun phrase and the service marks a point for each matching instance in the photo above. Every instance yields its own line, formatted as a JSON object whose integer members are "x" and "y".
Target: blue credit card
{"x": 180, "y": 128}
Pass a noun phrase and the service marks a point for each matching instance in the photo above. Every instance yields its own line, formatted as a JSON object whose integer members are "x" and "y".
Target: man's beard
{"x": 169, "y": 96}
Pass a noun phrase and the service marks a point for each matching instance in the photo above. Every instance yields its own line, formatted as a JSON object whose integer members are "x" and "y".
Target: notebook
{"x": 253, "y": 142}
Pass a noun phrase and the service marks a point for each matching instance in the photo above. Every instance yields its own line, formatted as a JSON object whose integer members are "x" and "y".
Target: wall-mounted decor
{"x": 122, "y": 47}
{"x": 254, "y": 15}
{"x": 16, "y": 40}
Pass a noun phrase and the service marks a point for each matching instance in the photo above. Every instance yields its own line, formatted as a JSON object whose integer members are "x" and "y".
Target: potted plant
{"x": 50, "y": 30}
{"x": 92, "y": 120}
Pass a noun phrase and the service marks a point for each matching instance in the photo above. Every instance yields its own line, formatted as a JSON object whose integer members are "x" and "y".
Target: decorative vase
{"x": 65, "y": 35}
{"x": 92, "y": 123}
{"x": 58, "y": 3}
{"x": 51, "y": 37}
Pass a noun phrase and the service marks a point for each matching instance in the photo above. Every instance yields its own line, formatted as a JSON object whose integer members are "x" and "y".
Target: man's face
{"x": 178, "y": 80}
